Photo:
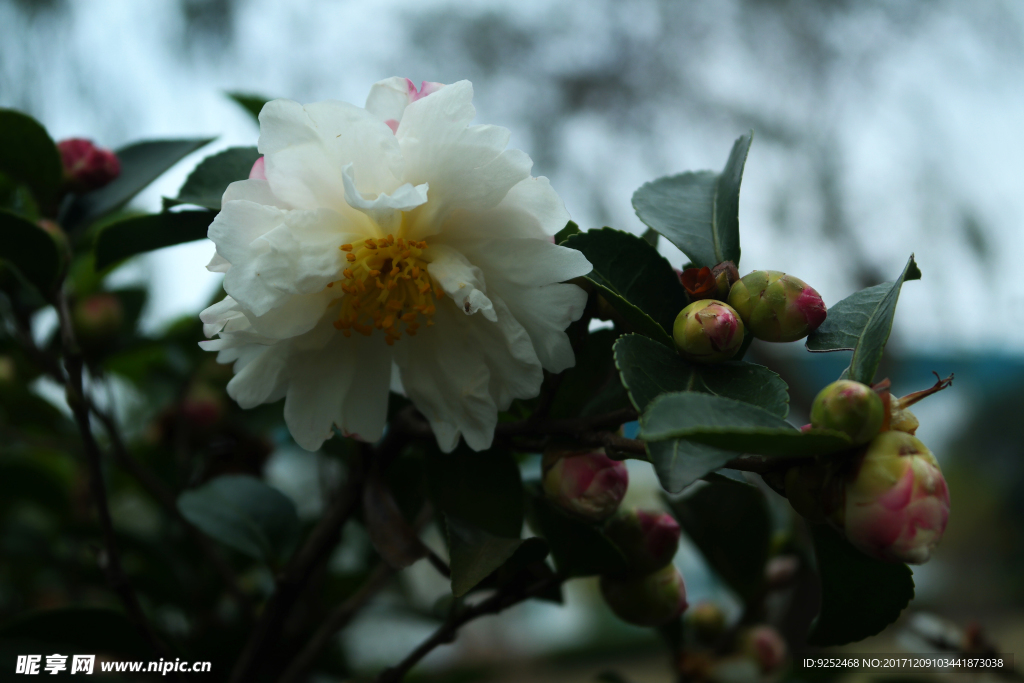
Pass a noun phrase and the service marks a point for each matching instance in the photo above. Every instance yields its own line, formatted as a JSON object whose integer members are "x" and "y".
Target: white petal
{"x": 460, "y": 279}
{"x": 384, "y": 209}
{"x": 262, "y": 378}
{"x": 304, "y": 252}
{"x": 218, "y": 264}
{"x": 253, "y": 190}
{"x": 388, "y": 98}
{"x": 298, "y": 316}
{"x": 531, "y": 209}
{"x": 343, "y": 384}
{"x": 525, "y": 274}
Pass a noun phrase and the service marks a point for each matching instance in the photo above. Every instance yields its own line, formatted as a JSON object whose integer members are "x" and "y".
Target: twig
{"x": 111, "y": 561}
{"x": 295, "y": 576}
{"x": 448, "y": 631}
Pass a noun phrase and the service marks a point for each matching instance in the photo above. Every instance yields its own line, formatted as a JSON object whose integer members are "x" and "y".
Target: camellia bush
{"x": 426, "y": 311}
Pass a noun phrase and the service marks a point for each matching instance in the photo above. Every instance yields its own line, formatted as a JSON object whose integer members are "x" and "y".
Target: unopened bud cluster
{"x": 590, "y": 486}
{"x": 86, "y": 166}
{"x": 765, "y": 304}
{"x": 887, "y": 494}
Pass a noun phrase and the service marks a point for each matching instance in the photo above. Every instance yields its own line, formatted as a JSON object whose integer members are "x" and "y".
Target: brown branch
{"x": 111, "y": 559}
{"x": 296, "y": 574}
{"x": 448, "y": 631}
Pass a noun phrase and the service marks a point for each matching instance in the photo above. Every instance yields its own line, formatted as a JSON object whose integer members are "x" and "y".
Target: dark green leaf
{"x": 482, "y": 487}
{"x": 583, "y": 382}
{"x": 635, "y": 279}
{"x": 132, "y": 236}
{"x": 475, "y": 554}
{"x": 579, "y": 548}
{"x": 649, "y": 369}
{"x": 29, "y": 155}
{"x": 860, "y": 595}
{"x": 862, "y": 322}
{"x": 244, "y": 513}
{"x": 250, "y": 102}
{"x": 23, "y": 479}
{"x": 31, "y": 250}
{"x": 730, "y": 523}
{"x": 141, "y": 164}
{"x": 733, "y": 425}
{"x": 206, "y": 184}
{"x": 392, "y": 536}
{"x": 89, "y": 629}
{"x": 698, "y": 212}
{"x": 565, "y": 233}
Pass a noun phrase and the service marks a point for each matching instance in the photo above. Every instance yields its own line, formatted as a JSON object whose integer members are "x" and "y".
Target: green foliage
{"x": 250, "y": 102}
{"x": 635, "y": 279}
{"x": 131, "y": 236}
{"x": 206, "y": 184}
{"x": 730, "y": 523}
{"x": 483, "y": 487}
{"x": 475, "y": 554}
{"x": 29, "y": 155}
{"x": 862, "y": 323}
{"x": 141, "y": 164}
{"x": 579, "y": 548}
{"x": 860, "y": 596}
{"x": 244, "y": 513}
{"x": 31, "y": 250}
{"x": 85, "y": 629}
{"x": 698, "y": 211}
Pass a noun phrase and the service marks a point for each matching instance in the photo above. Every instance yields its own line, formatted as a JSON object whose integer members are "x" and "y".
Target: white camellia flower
{"x": 392, "y": 236}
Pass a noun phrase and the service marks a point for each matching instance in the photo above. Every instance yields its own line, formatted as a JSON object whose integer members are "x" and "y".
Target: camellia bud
{"x": 86, "y": 166}
{"x": 202, "y": 407}
{"x": 777, "y": 307}
{"x": 97, "y": 320}
{"x": 708, "y": 331}
{"x": 699, "y": 283}
{"x": 707, "y": 619}
{"x": 849, "y": 407}
{"x": 590, "y": 485}
{"x": 896, "y": 502}
{"x": 725, "y": 275}
{"x": 649, "y": 540}
{"x": 650, "y": 600}
{"x": 765, "y": 645}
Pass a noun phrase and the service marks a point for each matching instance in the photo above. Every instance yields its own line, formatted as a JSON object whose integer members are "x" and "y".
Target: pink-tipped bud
{"x": 849, "y": 407}
{"x": 86, "y": 166}
{"x": 650, "y": 600}
{"x": 97, "y": 320}
{"x": 777, "y": 307}
{"x": 765, "y": 646}
{"x": 649, "y": 540}
{"x": 708, "y": 331}
{"x": 896, "y": 501}
{"x": 589, "y": 485}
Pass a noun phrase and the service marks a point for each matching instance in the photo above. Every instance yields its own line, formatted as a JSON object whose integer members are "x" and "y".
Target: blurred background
{"x": 880, "y": 129}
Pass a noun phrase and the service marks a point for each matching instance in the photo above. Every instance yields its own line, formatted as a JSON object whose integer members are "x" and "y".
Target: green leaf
{"x": 250, "y": 102}
{"x": 733, "y": 425}
{"x": 139, "y": 234}
{"x": 583, "y": 382}
{"x": 579, "y": 548}
{"x": 475, "y": 554}
{"x": 635, "y": 279}
{"x": 29, "y": 155}
{"x": 87, "y": 629}
{"x": 141, "y": 164}
{"x": 568, "y": 231}
{"x": 730, "y": 523}
{"x": 862, "y": 323}
{"x": 860, "y": 595}
{"x": 31, "y": 250}
{"x": 483, "y": 487}
{"x": 698, "y": 211}
{"x": 244, "y": 513}
{"x": 649, "y": 369}
{"x": 392, "y": 536}
{"x": 206, "y": 184}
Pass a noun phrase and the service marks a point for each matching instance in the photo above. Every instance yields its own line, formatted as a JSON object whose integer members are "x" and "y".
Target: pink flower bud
{"x": 849, "y": 407}
{"x": 896, "y": 503}
{"x": 708, "y": 331}
{"x": 649, "y": 540}
{"x": 650, "y": 600}
{"x": 590, "y": 485}
{"x": 202, "y": 407}
{"x": 777, "y": 307}
{"x": 97, "y": 320}
{"x": 86, "y": 166}
{"x": 765, "y": 645}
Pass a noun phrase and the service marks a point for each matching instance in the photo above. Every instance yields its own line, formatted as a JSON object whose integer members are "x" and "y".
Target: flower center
{"x": 386, "y": 283}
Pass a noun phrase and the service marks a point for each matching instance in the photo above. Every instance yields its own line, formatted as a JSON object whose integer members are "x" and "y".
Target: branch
{"x": 111, "y": 560}
{"x": 295, "y": 576}
{"x": 448, "y": 631}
